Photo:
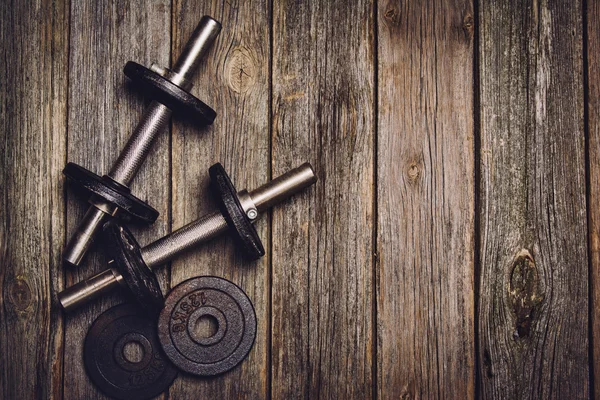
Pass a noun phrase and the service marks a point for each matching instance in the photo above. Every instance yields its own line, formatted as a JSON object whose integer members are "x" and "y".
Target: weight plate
{"x": 109, "y": 368}
{"x": 111, "y": 191}
{"x": 127, "y": 259}
{"x": 187, "y": 306}
{"x": 231, "y": 208}
{"x": 169, "y": 94}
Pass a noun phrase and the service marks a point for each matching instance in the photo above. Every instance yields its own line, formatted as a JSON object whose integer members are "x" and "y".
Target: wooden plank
{"x": 234, "y": 80}
{"x": 593, "y": 90}
{"x": 103, "y": 112}
{"x": 425, "y": 235}
{"x": 533, "y": 304}
{"x": 323, "y": 108}
{"x": 33, "y": 99}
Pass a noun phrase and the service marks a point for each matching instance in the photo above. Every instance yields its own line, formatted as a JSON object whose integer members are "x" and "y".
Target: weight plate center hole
{"x": 133, "y": 352}
{"x": 207, "y": 326}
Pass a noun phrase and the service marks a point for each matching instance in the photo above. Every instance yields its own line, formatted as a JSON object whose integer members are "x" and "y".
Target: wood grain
{"x": 425, "y": 235}
{"x": 33, "y": 98}
{"x": 443, "y": 252}
{"x": 533, "y": 305}
{"x": 323, "y": 110}
{"x": 234, "y": 80}
{"x": 103, "y": 111}
{"x": 593, "y": 117}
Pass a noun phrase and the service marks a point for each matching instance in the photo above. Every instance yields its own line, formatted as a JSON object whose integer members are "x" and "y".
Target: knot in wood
{"x": 468, "y": 22}
{"x": 413, "y": 172}
{"x": 468, "y": 26}
{"x": 241, "y": 70}
{"x": 392, "y": 14}
{"x": 406, "y": 396}
{"x": 524, "y": 292}
{"x": 19, "y": 294}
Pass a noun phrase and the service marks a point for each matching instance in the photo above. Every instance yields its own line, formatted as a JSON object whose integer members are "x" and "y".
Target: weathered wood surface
{"x": 234, "y": 80}
{"x": 443, "y": 252}
{"x": 33, "y": 99}
{"x": 323, "y": 108}
{"x": 103, "y": 111}
{"x": 533, "y": 300}
{"x": 425, "y": 180}
{"x": 593, "y": 117}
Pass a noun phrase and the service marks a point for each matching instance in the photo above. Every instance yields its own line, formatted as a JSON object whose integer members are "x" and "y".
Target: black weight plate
{"x": 234, "y": 214}
{"x": 227, "y": 305}
{"x": 107, "y": 365}
{"x": 169, "y": 94}
{"x": 127, "y": 258}
{"x": 112, "y": 192}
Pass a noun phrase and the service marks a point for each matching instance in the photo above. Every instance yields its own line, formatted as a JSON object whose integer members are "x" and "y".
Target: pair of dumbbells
{"x": 131, "y": 265}
{"x": 111, "y": 197}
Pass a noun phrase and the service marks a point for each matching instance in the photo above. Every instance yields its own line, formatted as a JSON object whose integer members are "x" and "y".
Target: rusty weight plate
{"x": 166, "y": 92}
{"x": 233, "y": 317}
{"x": 130, "y": 207}
{"x": 233, "y": 212}
{"x": 141, "y": 281}
{"x": 109, "y": 368}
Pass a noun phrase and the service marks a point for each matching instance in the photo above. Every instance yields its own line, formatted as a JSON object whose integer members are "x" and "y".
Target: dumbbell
{"x": 132, "y": 265}
{"x": 169, "y": 90}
